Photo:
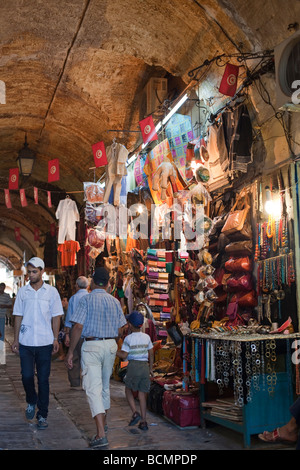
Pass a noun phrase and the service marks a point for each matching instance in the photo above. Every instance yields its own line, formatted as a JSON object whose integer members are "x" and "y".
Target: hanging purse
{"x": 236, "y": 218}
{"x": 240, "y": 247}
{"x": 248, "y": 300}
{"x": 243, "y": 282}
{"x": 238, "y": 264}
{"x": 232, "y": 310}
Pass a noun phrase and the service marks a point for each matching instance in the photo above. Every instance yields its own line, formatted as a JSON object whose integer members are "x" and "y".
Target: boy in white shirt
{"x": 137, "y": 348}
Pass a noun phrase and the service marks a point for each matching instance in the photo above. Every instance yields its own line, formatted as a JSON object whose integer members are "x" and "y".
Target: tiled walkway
{"x": 71, "y": 425}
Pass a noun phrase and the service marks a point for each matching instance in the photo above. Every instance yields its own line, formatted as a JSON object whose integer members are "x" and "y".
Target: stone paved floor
{"x": 71, "y": 425}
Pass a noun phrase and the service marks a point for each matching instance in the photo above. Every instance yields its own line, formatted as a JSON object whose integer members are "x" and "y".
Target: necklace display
{"x": 256, "y": 372}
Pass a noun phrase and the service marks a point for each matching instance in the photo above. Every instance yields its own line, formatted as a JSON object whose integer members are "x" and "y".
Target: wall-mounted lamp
{"x": 26, "y": 159}
{"x": 273, "y": 204}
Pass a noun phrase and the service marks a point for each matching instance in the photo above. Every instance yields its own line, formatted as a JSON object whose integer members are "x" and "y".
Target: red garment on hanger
{"x": 68, "y": 251}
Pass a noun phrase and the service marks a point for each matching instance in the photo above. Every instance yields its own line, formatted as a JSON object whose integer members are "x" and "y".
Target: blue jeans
{"x": 38, "y": 357}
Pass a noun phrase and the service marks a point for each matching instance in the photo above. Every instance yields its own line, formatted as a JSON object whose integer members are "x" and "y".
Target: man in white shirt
{"x": 37, "y": 312}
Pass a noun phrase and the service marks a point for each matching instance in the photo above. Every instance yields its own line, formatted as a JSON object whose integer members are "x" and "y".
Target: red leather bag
{"x": 248, "y": 300}
{"x": 243, "y": 282}
{"x": 238, "y": 264}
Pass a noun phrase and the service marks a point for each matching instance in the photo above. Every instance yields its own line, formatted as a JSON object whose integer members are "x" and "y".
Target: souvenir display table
{"x": 258, "y": 370}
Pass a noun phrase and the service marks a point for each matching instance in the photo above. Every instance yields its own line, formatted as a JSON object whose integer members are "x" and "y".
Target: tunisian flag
{"x": 53, "y": 170}
{"x": 148, "y": 130}
{"x": 99, "y": 154}
{"x": 13, "y": 178}
{"x": 229, "y": 80}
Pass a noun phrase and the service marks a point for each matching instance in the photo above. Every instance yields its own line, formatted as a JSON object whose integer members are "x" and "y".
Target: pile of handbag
{"x": 232, "y": 240}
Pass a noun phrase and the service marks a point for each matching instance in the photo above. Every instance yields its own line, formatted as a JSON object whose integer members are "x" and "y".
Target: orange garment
{"x": 68, "y": 251}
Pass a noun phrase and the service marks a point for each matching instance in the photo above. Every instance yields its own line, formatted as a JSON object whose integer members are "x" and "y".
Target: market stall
{"x": 203, "y": 244}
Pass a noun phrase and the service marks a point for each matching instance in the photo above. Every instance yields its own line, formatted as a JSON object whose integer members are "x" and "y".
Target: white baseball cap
{"x": 36, "y": 262}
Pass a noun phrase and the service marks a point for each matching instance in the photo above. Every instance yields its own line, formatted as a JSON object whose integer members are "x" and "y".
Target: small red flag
{"x": 229, "y": 80}
{"x": 148, "y": 130}
{"x": 7, "y": 199}
{"x": 13, "y": 178}
{"x": 53, "y": 170}
{"x": 18, "y": 234}
{"x": 36, "y": 195}
{"x": 23, "y": 198}
{"x": 52, "y": 230}
{"x": 99, "y": 154}
{"x": 36, "y": 234}
{"x": 49, "y": 199}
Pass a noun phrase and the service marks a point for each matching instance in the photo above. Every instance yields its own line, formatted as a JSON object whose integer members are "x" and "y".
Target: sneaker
{"x": 98, "y": 442}
{"x": 42, "y": 423}
{"x": 30, "y": 410}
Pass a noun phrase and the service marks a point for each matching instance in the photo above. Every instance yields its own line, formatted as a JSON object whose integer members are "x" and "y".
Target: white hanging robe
{"x": 67, "y": 214}
{"x": 115, "y": 170}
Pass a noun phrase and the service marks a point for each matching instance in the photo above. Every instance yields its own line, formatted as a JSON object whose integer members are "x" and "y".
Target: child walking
{"x": 137, "y": 348}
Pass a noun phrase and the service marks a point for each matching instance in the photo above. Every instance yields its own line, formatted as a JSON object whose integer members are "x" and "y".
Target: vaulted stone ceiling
{"x": 76, "y": 69}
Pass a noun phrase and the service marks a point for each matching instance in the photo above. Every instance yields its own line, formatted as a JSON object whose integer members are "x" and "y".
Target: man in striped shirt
{"x": 100, "y": 320}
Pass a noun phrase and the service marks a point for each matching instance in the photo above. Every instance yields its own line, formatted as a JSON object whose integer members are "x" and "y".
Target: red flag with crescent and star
{"x": 99, "y": 153}
{"x": 53, "y": 170}
{"x": 229, "y": 80}
{"x": 148, "y": 130}
{"x": 13, "y": 178}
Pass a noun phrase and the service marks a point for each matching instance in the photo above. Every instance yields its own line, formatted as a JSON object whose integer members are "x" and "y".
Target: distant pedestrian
{"x": 37, "y": 312}
{"x": 137, "y": 348}
{"x": 82, "y": 284}
{"x": 99, "y": 320}
{"x": 5, "y": 311}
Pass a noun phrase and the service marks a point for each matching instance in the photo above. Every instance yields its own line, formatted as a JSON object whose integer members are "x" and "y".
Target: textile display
{"x": 154, "y": 158}
{"x": 179, "y": 132}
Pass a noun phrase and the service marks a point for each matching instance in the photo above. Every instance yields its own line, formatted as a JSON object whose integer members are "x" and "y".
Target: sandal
{"x": 143, "y": 426}
{"x": 135, "y": 419}
{"x": 274, "y": 437}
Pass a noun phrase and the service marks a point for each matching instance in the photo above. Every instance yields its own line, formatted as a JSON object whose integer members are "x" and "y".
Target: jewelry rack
{"x": 244, "y": 363}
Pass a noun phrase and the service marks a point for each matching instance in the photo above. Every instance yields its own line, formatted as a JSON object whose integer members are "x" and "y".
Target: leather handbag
{"x": 236, "y": 283}
{"x": 242, "y": 246}
{"x": 238, "y": 264}
{"x": 236, "y": 218}
{"x": 232, "y": 310}
{"x": 248, "y": 300}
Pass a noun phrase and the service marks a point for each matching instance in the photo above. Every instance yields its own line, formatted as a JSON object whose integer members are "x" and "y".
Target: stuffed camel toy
{"x": 164, "y": 174}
